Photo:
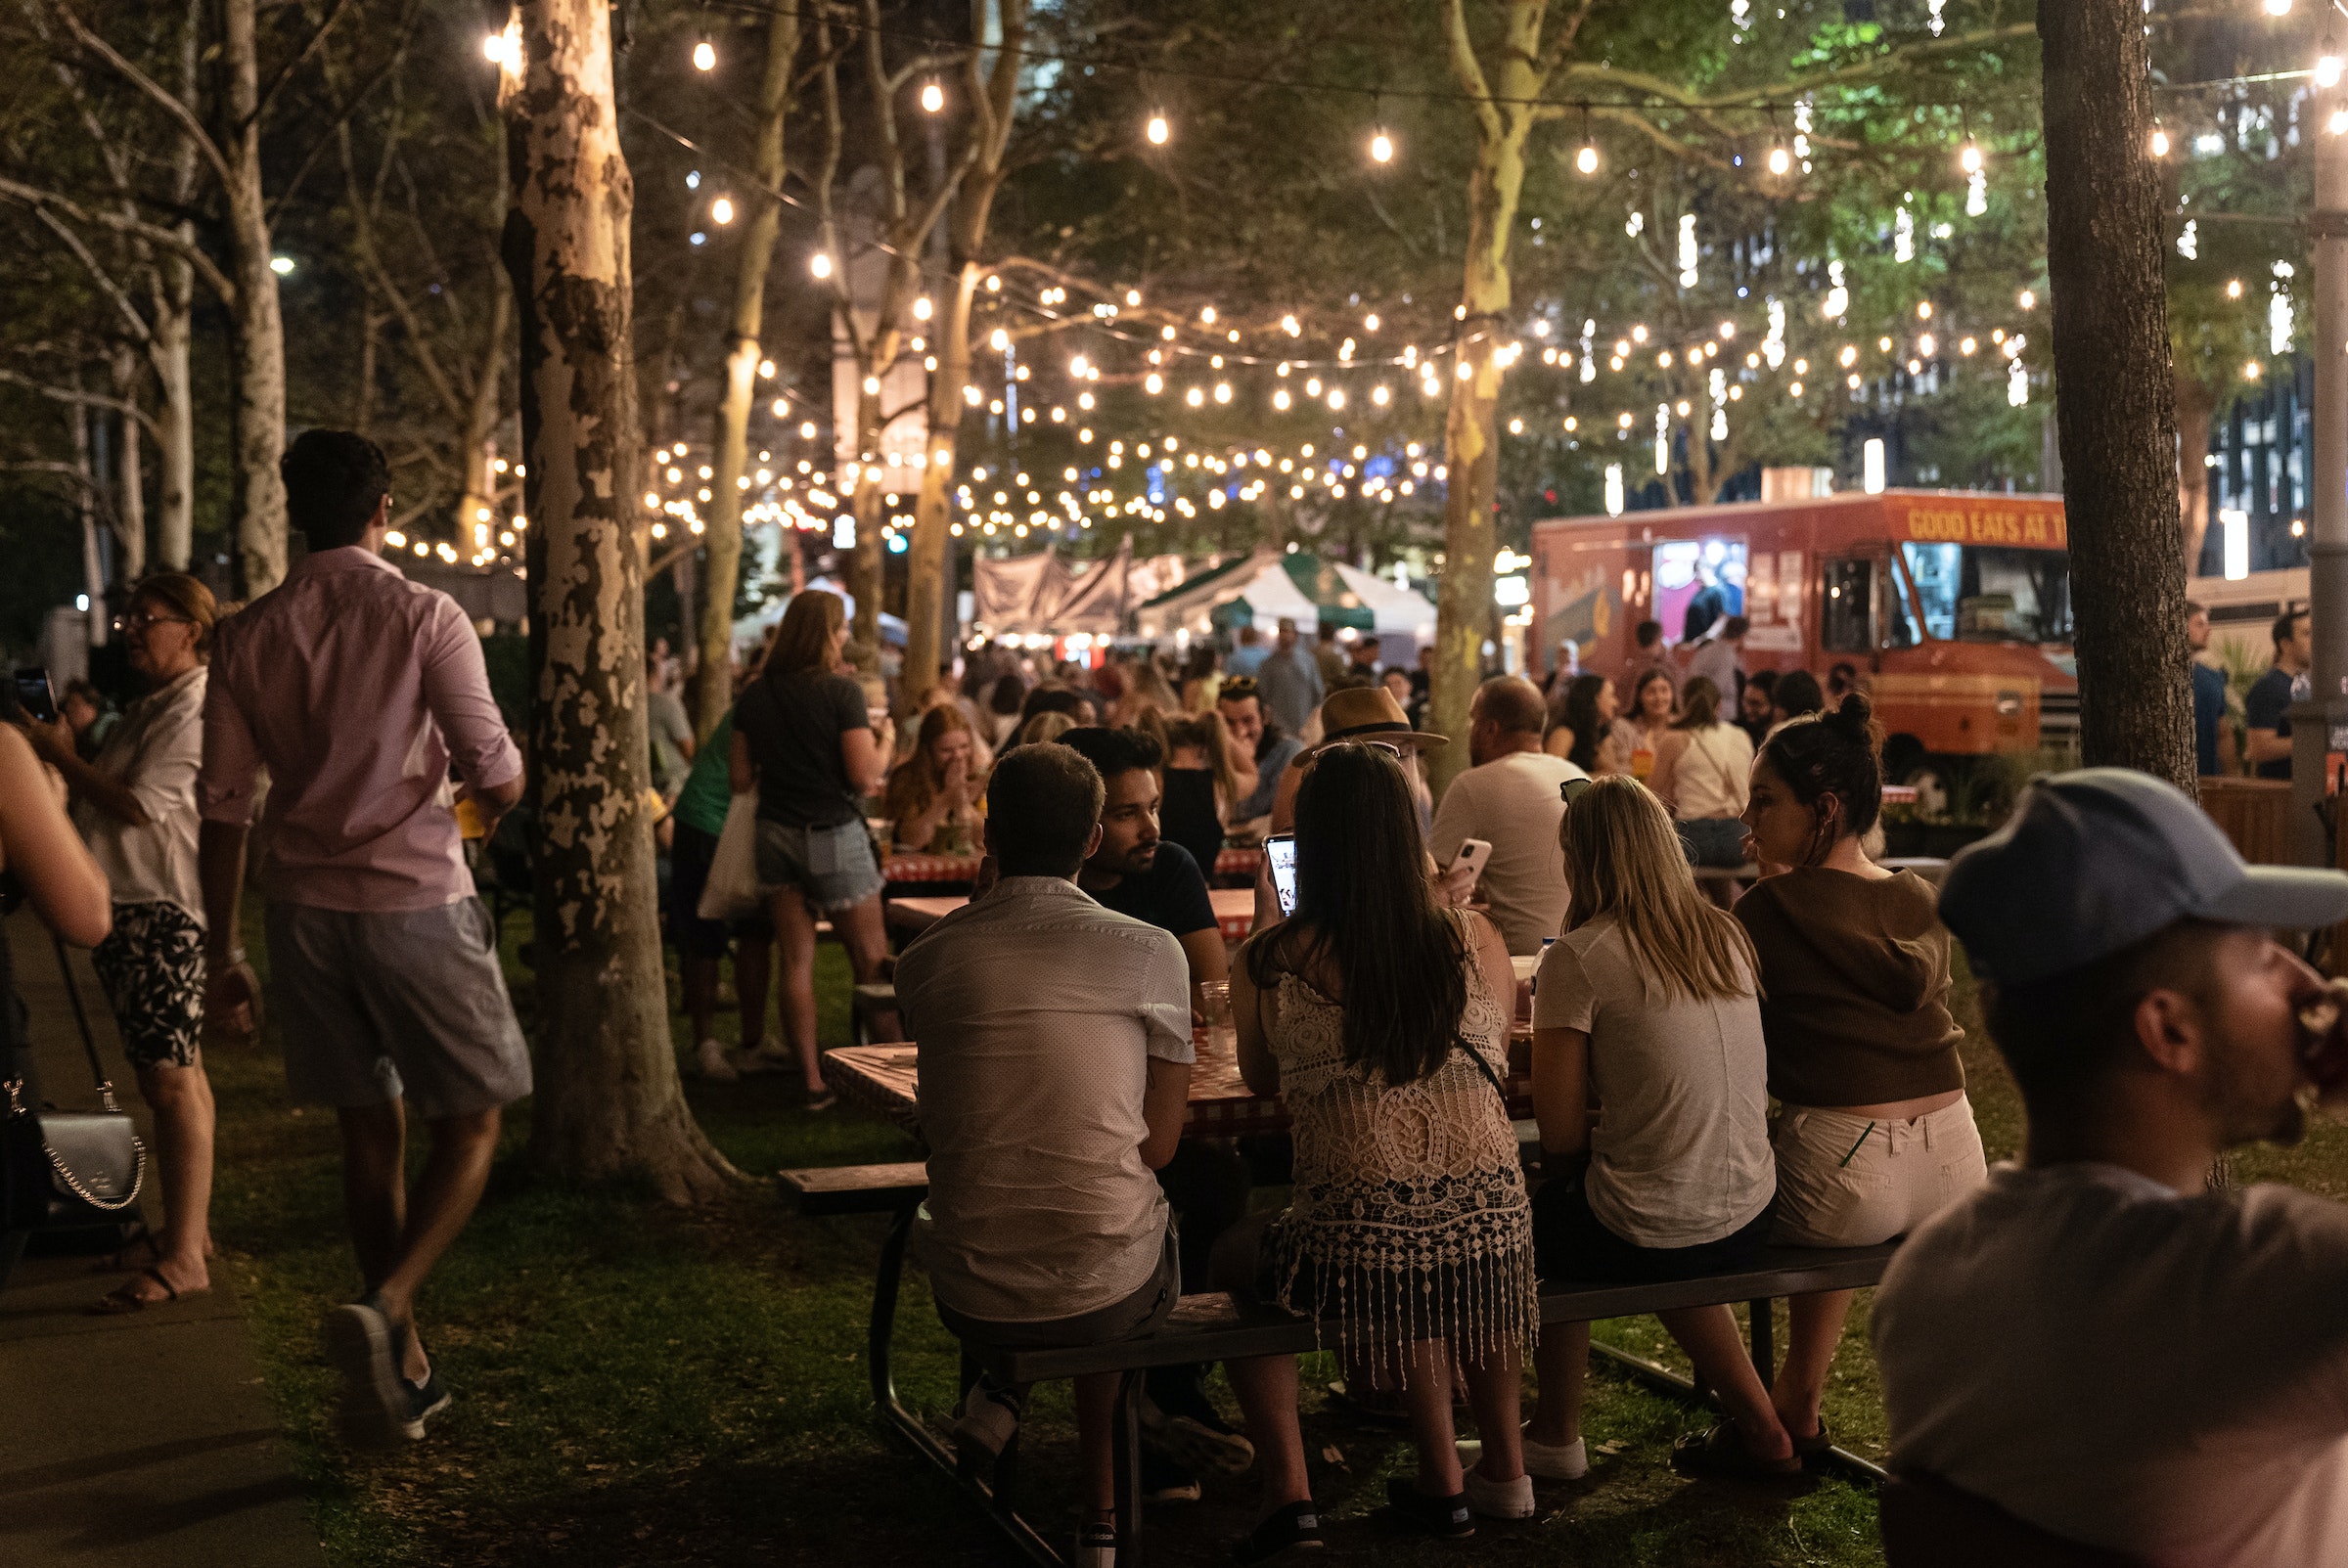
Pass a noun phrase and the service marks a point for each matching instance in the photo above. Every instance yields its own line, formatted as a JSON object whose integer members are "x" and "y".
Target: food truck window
{"x": 1992, "y": 592}
{"x": 1899, "y": 621}
{"x": 1847, "y": 621}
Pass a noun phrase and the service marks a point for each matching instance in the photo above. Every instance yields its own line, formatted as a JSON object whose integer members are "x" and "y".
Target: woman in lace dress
{"x": 1382, "y": 1021}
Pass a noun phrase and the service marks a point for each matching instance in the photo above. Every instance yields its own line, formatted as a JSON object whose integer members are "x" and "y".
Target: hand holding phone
{"x": 1279, "y": 854}
{"x": 35, "y": 699}
{"x": 1458, "y": 880}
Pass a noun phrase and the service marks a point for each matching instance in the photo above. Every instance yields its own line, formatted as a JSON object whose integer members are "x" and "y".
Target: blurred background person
{"x": 933, "y": 799}
{"x": 1652, "y": 704}
{"x": 1704, "y": 766}
{"x": 703, "y": 944}
{"x": 1582, "y": 728}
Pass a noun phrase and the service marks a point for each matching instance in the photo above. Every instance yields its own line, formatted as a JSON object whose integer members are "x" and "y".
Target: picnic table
{"x": 1235, "y": 912}
{"x": 906, "y": 867}
{"x": 1238, "y": 860}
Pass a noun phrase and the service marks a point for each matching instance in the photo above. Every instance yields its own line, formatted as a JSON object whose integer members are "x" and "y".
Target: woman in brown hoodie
{"x": 1875, "y": 1135}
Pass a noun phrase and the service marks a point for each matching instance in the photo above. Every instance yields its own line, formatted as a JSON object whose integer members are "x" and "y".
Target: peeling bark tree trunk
{"x": 2196, "y": 407}
{"x": 713, "y": 682}
{"x": 2115, "y": 407}
{"x": 130, "y": 477}
{"x": 486, "y": 406}
{"x": 608, "y": 1103}
{"x": 258, "y": 503}
{"x": 175, "y": 420}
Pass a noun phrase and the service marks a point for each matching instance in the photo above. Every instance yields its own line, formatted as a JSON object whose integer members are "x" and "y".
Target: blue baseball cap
{"x": 2098, "y": 860}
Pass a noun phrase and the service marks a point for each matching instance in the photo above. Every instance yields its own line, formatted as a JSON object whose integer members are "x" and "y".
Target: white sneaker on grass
{"x": 712, "y": 1063}
{"x": 1566, "y": 1461}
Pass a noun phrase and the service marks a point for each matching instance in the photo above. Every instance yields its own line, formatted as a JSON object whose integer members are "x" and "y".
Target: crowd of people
{"x": 2092, "y": 1341}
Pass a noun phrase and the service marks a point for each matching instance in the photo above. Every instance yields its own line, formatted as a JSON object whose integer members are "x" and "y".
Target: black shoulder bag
{"x": 67, "y": 1170}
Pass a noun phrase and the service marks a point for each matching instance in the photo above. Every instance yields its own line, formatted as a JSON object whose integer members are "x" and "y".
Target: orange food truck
{"x": 1953, "y": 606}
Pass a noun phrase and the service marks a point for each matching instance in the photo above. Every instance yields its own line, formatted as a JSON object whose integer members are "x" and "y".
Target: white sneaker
{"x": 987, "y": 1423}
{"x": 1500, "y": 1500}
{"x": 1568, "y": 1462}
{"x": 714, "y": 1065}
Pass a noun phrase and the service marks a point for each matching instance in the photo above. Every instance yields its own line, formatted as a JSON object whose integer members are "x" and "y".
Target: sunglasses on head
{"x": 1571, "y": 790}
{"x": 1235, "y": 687}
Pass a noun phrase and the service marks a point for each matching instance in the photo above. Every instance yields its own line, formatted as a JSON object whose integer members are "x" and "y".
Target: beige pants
{"x": 1844, "y": 1181}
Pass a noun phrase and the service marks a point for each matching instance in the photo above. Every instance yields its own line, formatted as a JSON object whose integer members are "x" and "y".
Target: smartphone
{"x": 34, "y": 696}
{"x": 1473, "y": 852}
{"x": 1280, "y": 852}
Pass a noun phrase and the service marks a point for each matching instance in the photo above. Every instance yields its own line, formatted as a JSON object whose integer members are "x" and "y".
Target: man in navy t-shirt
{"x": 2213, "y": 749}
{"x": 2267, "y": 709}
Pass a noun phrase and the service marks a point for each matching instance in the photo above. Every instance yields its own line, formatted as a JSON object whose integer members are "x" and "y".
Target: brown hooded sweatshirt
{"x": 1855, "y": 987}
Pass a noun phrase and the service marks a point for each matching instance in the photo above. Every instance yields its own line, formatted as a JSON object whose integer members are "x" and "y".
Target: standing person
{"x": 2098, "y": 1341}
{"x": 1875, "y": 1135}
{"x": 2267, "y": 708}
{"x": 1795, "y": 696}
{"x": 2213, "y": 737}
{"x": 1373, "y": 1008}
{"x": 382, "y": 964}
{"x": 671, "y": 731}
{"x": 1254, "y": 730}
{"x": 1715, "y": 659}
{"x": 933, "y": 799}
{"x": 804, "y": 740}
{"x": 1703, "y": 768}
{"x": 1362, "y": 658}
{"x": 1398, "y": 682}
{"x": 1584, "y": 732}
{"x": 1327, "y": 657}
{"x": 1707, "y": 608}
{"x": 1641, "y": 730}
{"x": 1048, "y": 1094}
{"x": 1289, "y": 682}
{"x": 703, "y": 944}
{"x": 1649, "y": 1065}
{"x": 1647, "y": 651}
{"x": 135, "y": 804}
{"x": 1248, "y": 657}
{"x": 1509, "y": 797}
{"x": 1756, "y": 709}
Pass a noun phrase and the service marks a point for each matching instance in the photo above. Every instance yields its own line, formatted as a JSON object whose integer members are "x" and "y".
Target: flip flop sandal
{"x": 1720, "y": 1454}
{"x": 1816, "y": 1445}
{"x": 125, "y": 1301}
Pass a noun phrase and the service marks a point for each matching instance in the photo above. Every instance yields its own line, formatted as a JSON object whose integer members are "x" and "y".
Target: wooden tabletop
{"x": 1235, "y": 912}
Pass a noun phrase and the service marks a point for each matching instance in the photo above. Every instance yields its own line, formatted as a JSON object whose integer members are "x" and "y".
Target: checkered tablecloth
{"x": 905, "y": 868}
{"x": 1237, "y": 861}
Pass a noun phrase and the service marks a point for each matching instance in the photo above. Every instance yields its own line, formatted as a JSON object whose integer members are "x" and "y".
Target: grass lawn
{"x": 637, "y": 1385}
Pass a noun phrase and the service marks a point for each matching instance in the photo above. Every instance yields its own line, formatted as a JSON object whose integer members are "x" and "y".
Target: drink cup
{"x": 1214, "y": 1006}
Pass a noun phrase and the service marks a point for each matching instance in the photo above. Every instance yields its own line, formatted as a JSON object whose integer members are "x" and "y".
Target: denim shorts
{"x": 831, "y": 867}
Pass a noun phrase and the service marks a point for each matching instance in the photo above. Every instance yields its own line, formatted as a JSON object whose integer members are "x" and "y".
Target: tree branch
{"x": 178, "y": 243}
{"x": 1468, "y": 70}
{"x": 185, "y": 117}
{"x": 69, "y": 394}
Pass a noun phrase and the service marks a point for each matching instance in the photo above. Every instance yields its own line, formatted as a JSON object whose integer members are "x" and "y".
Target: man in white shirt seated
{"x": 1054, "y": 1068}
{"x": 2095, "y": 1342}
{"x": 1510, "y": 799}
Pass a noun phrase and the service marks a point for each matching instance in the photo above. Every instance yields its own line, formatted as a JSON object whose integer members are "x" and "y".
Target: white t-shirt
{"x": 155, "y": 750}
{"x": 1036, "y": 1011}
{"x": 1512, "y": 803}
{"x": 1713, "y": 776}
{"x": 1680, "y": 1155}
{"x": 2150, "y": 1373}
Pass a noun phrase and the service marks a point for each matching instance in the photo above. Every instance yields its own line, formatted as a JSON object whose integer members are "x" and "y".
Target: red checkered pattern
{"x": 929, "y": 868}
{"x": 1237, "y": 861}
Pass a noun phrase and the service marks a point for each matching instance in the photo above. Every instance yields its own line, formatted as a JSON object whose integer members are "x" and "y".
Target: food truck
{"x": 1952, "y": 608}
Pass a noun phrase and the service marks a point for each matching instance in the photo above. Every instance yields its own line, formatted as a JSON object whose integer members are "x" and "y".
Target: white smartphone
{"x": 1473, "y": 853}
{"x": 1280, "y": 852}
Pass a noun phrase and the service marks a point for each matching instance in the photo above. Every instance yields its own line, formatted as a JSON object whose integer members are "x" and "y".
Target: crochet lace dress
{"x": 1408, "y": 1218}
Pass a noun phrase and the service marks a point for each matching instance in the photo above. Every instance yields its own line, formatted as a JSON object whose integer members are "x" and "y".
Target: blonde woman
{"x": 1650, "y": 1075}
{"x": 1043, "y": 728}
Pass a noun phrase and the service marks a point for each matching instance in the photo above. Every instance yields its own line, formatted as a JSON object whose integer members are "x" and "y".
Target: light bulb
{"x": 2278, "y": 8}
{"x": 1970, "y": 159}
{"x": 704, "y": 56}
{"x": 721, "y": 210}
{"x": 493, "y": 48}
{"x": 1586, "y": 159}
{"x": 2160, "y": 142}
{"x": 1382, "y": 148}
{"x": 2327, "y": 70}
{"x": 1780, "y": 161}
{"x": 934, "y": 97}
{"x": 2338, "y": 121}
{"x": 1158, "y": 131}
{"x": 820, "y": 263}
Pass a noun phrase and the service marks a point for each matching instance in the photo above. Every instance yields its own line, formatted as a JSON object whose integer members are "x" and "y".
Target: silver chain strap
{"x": 138, "y": 1177}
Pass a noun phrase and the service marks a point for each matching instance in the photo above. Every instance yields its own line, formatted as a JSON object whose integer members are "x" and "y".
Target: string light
{"x": 934, "y": 97}
{"x": 820, "y": 264}
{"x": 1158, "y": 130}
{"x": 2161, "y": 140}
{"x": 721, "y": 211}
{"x": 704, "y": 56}
{"x": 1382, "y": 147}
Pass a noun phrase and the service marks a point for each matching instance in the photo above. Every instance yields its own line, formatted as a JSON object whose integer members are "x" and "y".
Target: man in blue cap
{"x": 2095, "y": 1341}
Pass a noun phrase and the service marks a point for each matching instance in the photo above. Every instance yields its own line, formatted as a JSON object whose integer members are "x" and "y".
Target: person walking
{"x": 1875, "y": 1135}
{"x": 804, "y": 740}
{"x": 135, "y": 804}
{"x": 2267, "y": 706}
{"x": 383, "y": 968}
{"x": 1289, "y": 683}
{"x": 1649, "y": 1074}
{"x": 1375, "y": 1009}
{"x": 1704, "y": 766}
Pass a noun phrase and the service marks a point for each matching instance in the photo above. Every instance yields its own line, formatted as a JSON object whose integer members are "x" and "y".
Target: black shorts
{"x": 1573, "y": 1245}
{"x": 689, "y": 858}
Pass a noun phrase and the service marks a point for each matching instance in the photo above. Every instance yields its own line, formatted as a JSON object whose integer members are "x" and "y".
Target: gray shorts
{"x": 406, "y": 1004}
{"x": 833, "y": 867}
{"x": 1143, "y": 1312}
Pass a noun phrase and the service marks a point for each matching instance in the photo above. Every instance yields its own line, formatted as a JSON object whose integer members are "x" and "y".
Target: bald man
{"x": 1509, "y": 797}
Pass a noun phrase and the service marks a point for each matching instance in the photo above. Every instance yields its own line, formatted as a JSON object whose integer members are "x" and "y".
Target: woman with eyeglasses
{"x": 1382, "y": 1020}
{"x": 135, "y": 803}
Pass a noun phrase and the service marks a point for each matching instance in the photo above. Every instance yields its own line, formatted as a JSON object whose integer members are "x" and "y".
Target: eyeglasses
{"x": 138, "y": 621}
{"x": 1571, "y": 790}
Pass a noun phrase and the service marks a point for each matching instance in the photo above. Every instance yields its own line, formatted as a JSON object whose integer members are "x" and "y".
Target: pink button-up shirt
{"x": 358, "y": 689}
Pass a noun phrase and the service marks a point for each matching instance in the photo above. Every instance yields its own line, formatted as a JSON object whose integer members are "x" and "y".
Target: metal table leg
{"x": 1764, "y": 1337}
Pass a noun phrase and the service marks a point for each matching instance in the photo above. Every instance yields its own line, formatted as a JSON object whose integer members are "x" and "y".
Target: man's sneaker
{"x": 376, "y": 1407}
{"x": 712, "y": 1063}
{"x": 1197, "y": 1436}
{"x": 1095, "y": 1544}
{"x": 988, "y": 1421}
{"x": 1547, "y": 1461}
{"x": 1165, "y": 1480}
{"x": 1292, "y": 1530}
{"x": 426, "y": 1400}
{"x": 1446, "y": 1518}
{"x": 1500, "y": 1500}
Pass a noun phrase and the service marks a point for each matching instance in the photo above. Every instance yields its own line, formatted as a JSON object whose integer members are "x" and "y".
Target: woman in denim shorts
{"x": 805, "y": 741}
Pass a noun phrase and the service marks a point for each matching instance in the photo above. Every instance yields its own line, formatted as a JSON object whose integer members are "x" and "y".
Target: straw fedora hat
{"x": 1370, "y": 713}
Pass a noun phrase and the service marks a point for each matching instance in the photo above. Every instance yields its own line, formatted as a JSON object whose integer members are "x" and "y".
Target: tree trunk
{"x": 2196, "y": 407}
{"x": 713, "y": 685}
{"x": 258, "y": 499}
{"x": 93, "y": 560}
{"x": 926, "y": 586}
{"x": 864, "y": 570}
{"x": 175, "y": 419}
{"x": 2115, "y": 410}
{"x": 130, "y": 477}
{"x": 608, "y": 1103}
{"x": 482, "y": 414}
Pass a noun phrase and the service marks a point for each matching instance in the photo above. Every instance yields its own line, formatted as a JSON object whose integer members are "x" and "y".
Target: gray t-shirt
{"x": 1680, "y": 1155}
{"x": 1512, "y": 803}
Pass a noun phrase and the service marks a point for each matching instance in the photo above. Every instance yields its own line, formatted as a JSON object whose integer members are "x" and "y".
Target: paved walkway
{"x": 146, "y": 1441}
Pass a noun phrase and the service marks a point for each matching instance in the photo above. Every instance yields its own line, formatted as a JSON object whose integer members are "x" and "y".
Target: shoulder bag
{"x": 67, "y": 1170}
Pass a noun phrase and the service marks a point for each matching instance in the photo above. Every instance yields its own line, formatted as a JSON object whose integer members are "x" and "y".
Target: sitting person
{"x": 1874, "y": 1133}
{"x": 1206, "y": 778}
{"x": 1049, "y": 1093}
{"x": 933, "y": 796}
{"x": 2097, "y": 1341}
{"x": 1509, "y": 798}
{"x": 1648, "y": 1055}
{"x": 1135, "y": 871}
{"x": 1373, "y": 1008}
{"x": 1583, "y": 728}
{"x": 1704, "y": 767}
{"x": 1255, "y": 732}
{"x": 1044, "y": 726}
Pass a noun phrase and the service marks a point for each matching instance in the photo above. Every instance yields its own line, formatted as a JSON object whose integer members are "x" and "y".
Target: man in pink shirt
{"x": 359, "y": 690}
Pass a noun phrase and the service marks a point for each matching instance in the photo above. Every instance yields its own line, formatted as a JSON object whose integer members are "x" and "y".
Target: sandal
{"x": 125, "y": 1301}
{"x": 1721, "y": 1455}
{"x": 1814, "y": 1446}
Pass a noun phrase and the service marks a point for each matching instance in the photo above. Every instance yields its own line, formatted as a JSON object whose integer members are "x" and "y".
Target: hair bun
{"x": 1855, "y": 710}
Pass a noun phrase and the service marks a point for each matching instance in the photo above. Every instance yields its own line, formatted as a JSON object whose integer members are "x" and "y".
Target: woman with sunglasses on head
{"x": 1382, "y": 1020}
{"x": 1875, "y": 1135}
{"x": 135, "y": 803}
